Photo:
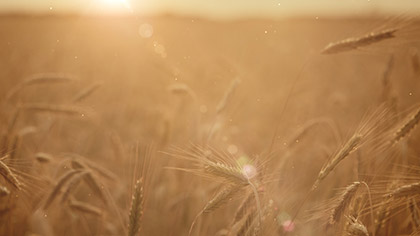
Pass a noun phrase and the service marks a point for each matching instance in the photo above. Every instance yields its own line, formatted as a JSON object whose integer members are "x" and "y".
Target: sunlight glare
{"x": 116, "y": 5}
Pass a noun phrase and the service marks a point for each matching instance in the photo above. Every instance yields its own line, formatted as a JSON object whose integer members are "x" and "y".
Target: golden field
{"x": 181, "y": 125}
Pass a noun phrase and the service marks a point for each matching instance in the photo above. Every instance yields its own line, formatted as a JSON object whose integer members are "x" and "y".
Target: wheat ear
{"x": 355, "y": 43}
{"x": 4, "y": 191}
{"x": 407, "y": 127}
{"x": 344, "y": 201}
{"x": 348, "y": 148}
{"x": 136, "y": 209}
{"x": 7, "y": 173}
{"x": 218, "y": 200}
{"x": 404, "y": 191}
{"x": 356, "y": 228}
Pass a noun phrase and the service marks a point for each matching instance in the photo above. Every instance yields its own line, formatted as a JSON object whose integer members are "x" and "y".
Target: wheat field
{"x": 170, "y": 125}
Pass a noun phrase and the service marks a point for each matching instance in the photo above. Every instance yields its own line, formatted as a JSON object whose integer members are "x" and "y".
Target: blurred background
{"x": 214, "y": 9}
{"x": 246, "y": 77}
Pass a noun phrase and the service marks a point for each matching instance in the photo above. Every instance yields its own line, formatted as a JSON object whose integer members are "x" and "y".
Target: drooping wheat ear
{"x": 407, "y": 127}
{"x": 226, "y": 97}
{"x": 62, "y": 109}
{"x": 59, "y": 185}
{"x": 348, "y": 148}
{"x": 182, "y": 89}
{"x": 414, "y": 213}
{"x": 229, "y": 173}
{"x": 85, "y": 208}
{"x": 179, "y": 89}
{"x": 4, "y": 191}
{"x": 404, "y": 191}
{"x": 136, "y": 209}
{"x": 80, "y": 162}
{"x": 86, "y": 92}
{"x": 43, "y": 157}
{"x": 7, "y": 173}
{"x": 356, "y": 228}
{"x": 345, "y": 198}
{"x": 355, "y": 43}
{"x": 39, "y": 79}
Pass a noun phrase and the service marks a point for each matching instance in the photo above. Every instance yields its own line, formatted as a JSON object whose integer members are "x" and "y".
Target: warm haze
{"x": 209, "y": 118}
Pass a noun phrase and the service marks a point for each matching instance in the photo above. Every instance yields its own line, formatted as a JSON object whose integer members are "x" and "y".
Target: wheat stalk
{"x": 58, "y": 186}
{"x": 85, "y": 208}
{"x": 86, "y": 92}
{"x": 242, "y": 209}
{"x": 414, "y": 213}
{"x": 226, "y": 97}
{"x": 242, "y": 226}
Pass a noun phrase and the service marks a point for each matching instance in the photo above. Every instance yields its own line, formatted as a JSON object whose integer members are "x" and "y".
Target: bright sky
{"x": 215, "y": 8}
